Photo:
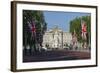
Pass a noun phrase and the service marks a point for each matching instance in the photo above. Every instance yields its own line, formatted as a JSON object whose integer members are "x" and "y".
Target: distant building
{"x": 56, "y": 38}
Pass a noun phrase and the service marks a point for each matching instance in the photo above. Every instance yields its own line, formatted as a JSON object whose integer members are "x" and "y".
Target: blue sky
{"x": 61, "y": 19}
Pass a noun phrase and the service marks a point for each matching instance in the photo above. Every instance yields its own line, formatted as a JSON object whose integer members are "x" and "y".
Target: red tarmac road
{"x": 56, "y": 55}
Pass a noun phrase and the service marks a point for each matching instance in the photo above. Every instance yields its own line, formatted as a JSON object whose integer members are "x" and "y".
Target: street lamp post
{"x": 62, "y": 38}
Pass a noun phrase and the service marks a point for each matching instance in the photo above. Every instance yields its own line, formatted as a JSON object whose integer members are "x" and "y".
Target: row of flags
{"x": 83, "y": 35}
{"x": 83, "y": 30}
{"x": 32, "y": 27}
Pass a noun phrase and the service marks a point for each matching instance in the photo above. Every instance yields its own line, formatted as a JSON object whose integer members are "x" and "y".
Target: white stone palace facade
{"x": 56, "y": 38}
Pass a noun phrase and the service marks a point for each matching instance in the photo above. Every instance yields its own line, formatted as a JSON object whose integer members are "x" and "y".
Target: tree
{"x": 75, "y": 24}
{"x": 40, "y": 25}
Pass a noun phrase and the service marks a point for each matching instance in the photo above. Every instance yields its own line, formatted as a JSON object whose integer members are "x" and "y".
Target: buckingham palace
{"x": 55, "y": 38}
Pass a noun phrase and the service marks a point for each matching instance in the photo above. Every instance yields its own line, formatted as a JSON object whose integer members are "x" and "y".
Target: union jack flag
{"x": 84, "y": 29}
{"x": 32, "y": 27}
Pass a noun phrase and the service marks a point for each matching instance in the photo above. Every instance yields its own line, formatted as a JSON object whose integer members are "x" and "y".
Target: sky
{"x": 61, "y": 19}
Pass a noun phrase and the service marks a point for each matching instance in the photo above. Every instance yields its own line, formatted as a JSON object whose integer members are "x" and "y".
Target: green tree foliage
{"x": 75, "y": 24}
{"x": 40, "y": 24}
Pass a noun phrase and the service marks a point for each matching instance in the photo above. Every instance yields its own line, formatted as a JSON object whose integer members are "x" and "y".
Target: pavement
{"x": 55, "y": 55}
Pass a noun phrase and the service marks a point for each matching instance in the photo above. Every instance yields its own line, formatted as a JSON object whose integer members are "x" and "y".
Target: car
{"x": 44, "y": 49}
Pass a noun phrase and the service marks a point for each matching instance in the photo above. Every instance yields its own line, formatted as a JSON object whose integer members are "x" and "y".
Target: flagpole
{"x": 82, "y": 33}
{"x": 36, "y": 45}
{"x": 41, "y": 35}
{"x": 25, "y": 47}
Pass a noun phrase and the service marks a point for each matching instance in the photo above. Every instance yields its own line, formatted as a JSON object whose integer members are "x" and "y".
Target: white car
{"x": 44, "y": 48}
